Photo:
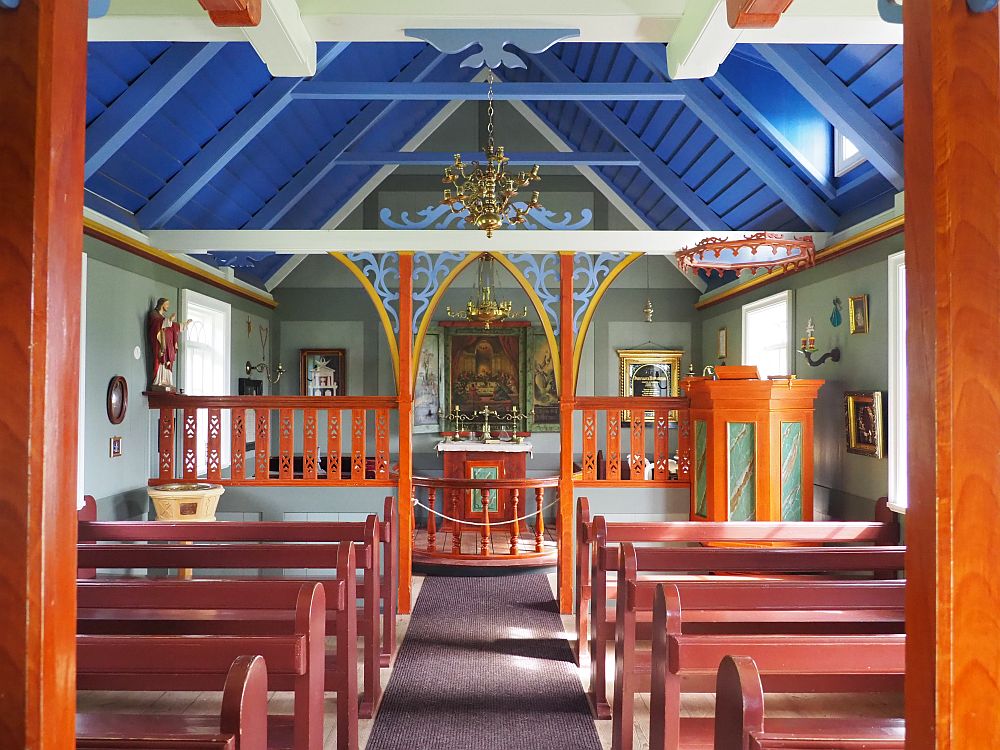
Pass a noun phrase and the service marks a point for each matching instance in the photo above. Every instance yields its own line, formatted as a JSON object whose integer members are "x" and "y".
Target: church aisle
{"x": 484, "y": 666}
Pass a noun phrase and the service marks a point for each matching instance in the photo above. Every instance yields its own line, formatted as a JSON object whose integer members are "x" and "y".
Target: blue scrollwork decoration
{"x": 981, "y": 6}
{"x": 429, "y": 270}
{"x": 442, "y": 217}
{"x": 492, "y": 43}
{"x": 97, "y": 8}
{"x": 592, "y": 269}
{"x": 381, "y": 269}
{"x": 542, "y": 272}
{"x": 238, "y": 260}
{"x": 891, "y": 11}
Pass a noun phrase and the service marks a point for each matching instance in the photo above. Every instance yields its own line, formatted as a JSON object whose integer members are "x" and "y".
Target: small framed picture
{"x": 251, "y": 387}
{"x": 323, "y": 372}
{"x": 865, "y": 432}
{"x": 115, "y": 446}
{"x": 858, "y": 313}
{"x": 722, "y": 347}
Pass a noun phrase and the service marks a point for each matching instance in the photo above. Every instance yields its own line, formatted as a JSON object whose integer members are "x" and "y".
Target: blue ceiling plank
{"x": 762, "y": 161}
{"x": 143, "y": 99}
{"x": 224, "y": 147}
{"x": 321, "y": 164}
{"x": 658, "y": 172}
{"x": 843, "y": 109}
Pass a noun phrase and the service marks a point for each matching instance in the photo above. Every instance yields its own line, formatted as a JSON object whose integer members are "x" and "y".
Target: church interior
{"x": 392, "y": 375}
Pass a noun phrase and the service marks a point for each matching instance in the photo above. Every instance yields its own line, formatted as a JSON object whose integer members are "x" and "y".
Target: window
{"x": 767, "y": 334}
{"x": 205, "y": 359}
{"x": 846, "y": 155}
{"x": 897, "y": 382}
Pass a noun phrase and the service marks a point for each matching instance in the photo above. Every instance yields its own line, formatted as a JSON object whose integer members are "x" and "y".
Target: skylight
{"x": 846, "y": 155}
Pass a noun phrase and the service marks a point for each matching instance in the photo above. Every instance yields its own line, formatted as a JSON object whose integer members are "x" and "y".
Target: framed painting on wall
{"x": 485, "y": 367}
{"x": 865, "y": 432}
{"x": 543, "y": 390}
{"x": 646, "y": 373}
{"x": 323, "y": 372}
{"x": 722, "y": 345}
{"x": 857, "y": 308}
{"x": 427, "y": 389}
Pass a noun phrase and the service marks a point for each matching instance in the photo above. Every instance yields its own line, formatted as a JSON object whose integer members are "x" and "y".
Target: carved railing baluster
{"x": 484, "y": 542}
{"x": 456, "y": 533}
{"x": 515, "y": 530}
{"x": 539, "y": 518}
{"x": 431, "y": 521}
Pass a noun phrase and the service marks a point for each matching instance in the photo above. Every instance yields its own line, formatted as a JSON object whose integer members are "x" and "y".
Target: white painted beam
{"x": 702, "y": 41}
{"x": 319, "y": 241}
{"x": 282, "y": 40}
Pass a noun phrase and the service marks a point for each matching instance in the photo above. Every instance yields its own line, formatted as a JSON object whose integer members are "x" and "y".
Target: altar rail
{"x": 275, "y": 440}
{"x": 633, "y": 449}
{"x": 454, "y": 492}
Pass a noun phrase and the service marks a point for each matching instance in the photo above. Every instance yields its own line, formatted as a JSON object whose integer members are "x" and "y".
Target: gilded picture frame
{"x": 649, "y": 372}
{"x": 864, "y": 423}
{"x": 857, "y": 308}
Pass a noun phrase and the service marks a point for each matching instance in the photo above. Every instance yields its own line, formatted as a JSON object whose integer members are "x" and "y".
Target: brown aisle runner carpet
{"x": 484, "y": 666}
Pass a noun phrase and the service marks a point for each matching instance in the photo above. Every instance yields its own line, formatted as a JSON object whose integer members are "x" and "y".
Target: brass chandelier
{"x": 486, "y": 309}
{"x": 488, "y": 192}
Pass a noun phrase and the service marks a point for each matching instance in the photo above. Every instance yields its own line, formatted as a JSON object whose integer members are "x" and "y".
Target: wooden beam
{"x": 404, "y": 388}
{"x": 755, "y": 14}
{"x": 282, "y": 40}
{"x": 704, "y": 38}
{"x": 233, "y": 12}
{"x": 559, "y": 91}
{"x": 564, "y": 520}
{"x": 952, "y": 112}
{"x": 43, "y": 63}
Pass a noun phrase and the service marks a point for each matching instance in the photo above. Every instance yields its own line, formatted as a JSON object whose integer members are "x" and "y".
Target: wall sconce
{"x": 263, "y": 368}
{"x": 808, "y": 346}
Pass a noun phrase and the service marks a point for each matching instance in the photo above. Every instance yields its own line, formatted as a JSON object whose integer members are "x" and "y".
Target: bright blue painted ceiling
{"x": 228, "y": 147}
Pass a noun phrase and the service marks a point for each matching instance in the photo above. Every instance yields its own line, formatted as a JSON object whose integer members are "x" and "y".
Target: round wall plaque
{"x": 117, "y": 399}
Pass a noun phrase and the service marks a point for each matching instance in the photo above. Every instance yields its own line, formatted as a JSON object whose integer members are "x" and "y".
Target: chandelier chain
{"x": 489, "y": 113}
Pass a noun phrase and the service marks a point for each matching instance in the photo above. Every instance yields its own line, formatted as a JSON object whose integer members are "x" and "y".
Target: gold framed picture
{"x": 865, "y": 430}
{"x": 857, "y": 308}
{"x": 722, "y": 347}
{"x": 649, "y": 373}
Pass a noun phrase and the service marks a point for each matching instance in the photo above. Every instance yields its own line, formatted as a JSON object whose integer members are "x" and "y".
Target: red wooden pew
{"x": 294, "y": 658}
{"x": 260, "y": 545}
{"x": 739, "y": 707}
{"x": 672, "y": 560}
{"x": 241, "y": 724}
{"x": 597, "y": 552}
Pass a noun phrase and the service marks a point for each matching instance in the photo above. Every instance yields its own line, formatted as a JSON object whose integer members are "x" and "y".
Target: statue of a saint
{"x": 164, "y": 338}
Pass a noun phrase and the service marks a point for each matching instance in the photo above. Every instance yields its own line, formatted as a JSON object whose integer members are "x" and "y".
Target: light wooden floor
{"x": 499, "y": 542}
{"x": 692, "y": 705}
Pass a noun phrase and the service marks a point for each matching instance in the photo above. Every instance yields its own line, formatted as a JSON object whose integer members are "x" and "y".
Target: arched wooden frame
{"x": 536, "y": 303}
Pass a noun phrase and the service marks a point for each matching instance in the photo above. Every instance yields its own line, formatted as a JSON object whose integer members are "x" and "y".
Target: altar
{"x": 479, "y": 460}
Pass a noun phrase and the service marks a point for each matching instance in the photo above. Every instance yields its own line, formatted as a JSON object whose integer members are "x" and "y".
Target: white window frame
{"x": 844, "y": 164}
{"x": 751, "y": 307}
{"x": 188, "y": 296}
{"x": 897, "y": 383}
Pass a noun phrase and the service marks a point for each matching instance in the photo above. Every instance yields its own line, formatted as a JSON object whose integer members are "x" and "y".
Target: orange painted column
{"x": 951, "y": 60}
{"x": 43, "y": 64}
{"x": 405, "y": 392}
{"x": 567, "y": 395}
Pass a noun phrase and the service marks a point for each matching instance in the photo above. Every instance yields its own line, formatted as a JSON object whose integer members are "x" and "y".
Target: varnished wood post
{"x": 539, "y": 518}
{"x": 404, "y": 390}
{"x": 456, "y": 527}
{"x": 952, "y": 112}
{"x": 43, "y": 63}
{"x": 484, "y": 530}
{"x": 431, "y": 521}
{"x": 567, "y": 391}
{"x": 515, "y": 528}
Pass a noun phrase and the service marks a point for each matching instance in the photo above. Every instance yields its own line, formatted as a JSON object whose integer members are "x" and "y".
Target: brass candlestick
{"x": 516, "y": 417}
{"x": 458, "y": 419}
{"x": 486, "y": 412}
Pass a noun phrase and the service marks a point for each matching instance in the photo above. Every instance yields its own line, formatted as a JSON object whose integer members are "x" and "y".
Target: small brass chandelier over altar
{"x": 488, "y": 193}
{"x": 486, "y": 309}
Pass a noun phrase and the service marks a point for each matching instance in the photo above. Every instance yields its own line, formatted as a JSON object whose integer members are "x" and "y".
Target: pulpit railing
{"x": 629, "y": 442}
{"x": 275, "y": 440}
{"x": 519, "y": 518}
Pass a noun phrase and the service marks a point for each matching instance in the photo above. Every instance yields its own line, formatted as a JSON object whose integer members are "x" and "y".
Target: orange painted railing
{"x": 630, "y": 442}
{"x": 275, "y": 440}
{"x": 444, "y": 499}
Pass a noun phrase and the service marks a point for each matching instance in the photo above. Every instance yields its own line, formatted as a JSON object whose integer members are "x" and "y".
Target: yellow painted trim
{"x": 425, "y": 323}
{"x": 390, "y": 335}
{"x": 536, "y": 302}
{"x": 859, "y": 240}
{"x": 124, "y": 242}
{"x": 581, "y": 335}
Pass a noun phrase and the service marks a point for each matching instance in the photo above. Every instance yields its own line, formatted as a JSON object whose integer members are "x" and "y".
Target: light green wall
{"x": 121, "y": 289}
{"x": 846, "y": 484}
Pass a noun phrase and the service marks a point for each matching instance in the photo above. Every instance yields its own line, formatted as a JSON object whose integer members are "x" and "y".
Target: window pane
{"x": 766, "y": 338}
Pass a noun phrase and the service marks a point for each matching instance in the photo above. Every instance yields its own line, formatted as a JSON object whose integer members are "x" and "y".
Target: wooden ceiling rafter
{"x": 755, "y": 14}
{"x": 228, "y": 13}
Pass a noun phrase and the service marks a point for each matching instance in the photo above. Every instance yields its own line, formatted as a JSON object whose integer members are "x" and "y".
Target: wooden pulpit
{"x": 753, "y": 446}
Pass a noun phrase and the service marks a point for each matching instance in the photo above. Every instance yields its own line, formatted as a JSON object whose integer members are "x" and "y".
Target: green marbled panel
{"x": 742, "y": 490}
{"x": 701, "y": 468}
{"x": 791, "y": 471}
